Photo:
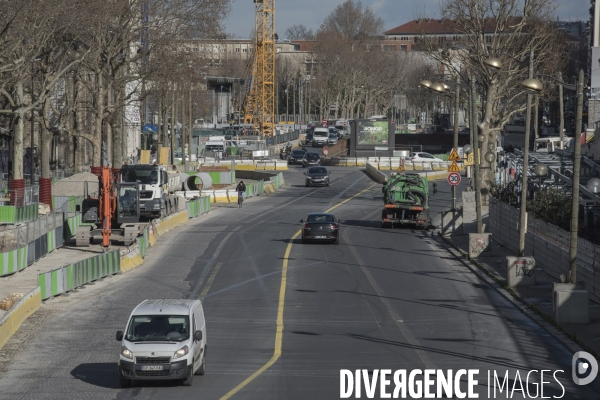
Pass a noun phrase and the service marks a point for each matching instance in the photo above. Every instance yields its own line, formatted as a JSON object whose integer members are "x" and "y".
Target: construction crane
{"x": 259, "y": 103}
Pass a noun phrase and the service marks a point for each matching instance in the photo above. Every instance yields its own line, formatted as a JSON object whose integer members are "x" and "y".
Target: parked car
{"x": 423, "y": 157}
{"x": 320, "y": 226}
{"x": 179, "y": 157}
{"x": 163, "y": 340}
{"x": 311, "y": 159}
{"x": 316, "y": 176}
{"x": 296, "y": 156}
{"x": 332, "y": 139}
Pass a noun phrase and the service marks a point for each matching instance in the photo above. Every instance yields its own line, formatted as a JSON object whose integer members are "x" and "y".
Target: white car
{"x": 420, "y": 157}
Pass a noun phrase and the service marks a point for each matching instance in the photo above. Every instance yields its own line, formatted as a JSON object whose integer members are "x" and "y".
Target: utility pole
{"x": 576, "y": 175}
{"x": 523, "y": 205}
{"x": 561, "y": 126}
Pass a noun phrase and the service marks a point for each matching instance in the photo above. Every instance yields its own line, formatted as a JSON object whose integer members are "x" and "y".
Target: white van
{"x": 320, "y": 137}
{"x": 163, "y": 340}
{"x": 218, "y": 145}
{"x": 549, "y": 144}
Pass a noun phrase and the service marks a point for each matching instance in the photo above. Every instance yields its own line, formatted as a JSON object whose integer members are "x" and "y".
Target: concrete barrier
{"x": 19, "y": 312}
{"x": 68, "y": 277}
{"x": 520, "y": 271}
{"x": 375, "y": 174}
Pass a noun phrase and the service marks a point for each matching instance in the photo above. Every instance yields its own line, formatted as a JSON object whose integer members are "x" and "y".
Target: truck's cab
{"x": 156, "y": 184}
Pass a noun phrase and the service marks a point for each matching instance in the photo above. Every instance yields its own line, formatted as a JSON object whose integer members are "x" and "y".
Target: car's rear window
{"x": 319, "y": 218}
{"x": 298, "y": 152}
{"x": 317, "y": 170}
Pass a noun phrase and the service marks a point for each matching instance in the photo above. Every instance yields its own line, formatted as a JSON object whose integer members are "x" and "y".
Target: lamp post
{"x": 535, "y": 86}
{"x": 541, "y": 170}
{"x": 593, "y": 185}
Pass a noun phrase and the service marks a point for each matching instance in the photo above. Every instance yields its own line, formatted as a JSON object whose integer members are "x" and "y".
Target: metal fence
{"x": 23, "y": 197}
{"x": 548, "y": 244}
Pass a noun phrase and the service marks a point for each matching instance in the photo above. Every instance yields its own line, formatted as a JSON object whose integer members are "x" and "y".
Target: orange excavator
{"x": 113, "y": 214}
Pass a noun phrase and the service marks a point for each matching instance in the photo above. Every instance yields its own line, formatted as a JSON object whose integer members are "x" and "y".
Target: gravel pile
{"x": 75, "y": 185}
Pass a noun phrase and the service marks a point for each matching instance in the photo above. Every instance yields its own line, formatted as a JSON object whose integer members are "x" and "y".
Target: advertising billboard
{"x": 372, "y": 132}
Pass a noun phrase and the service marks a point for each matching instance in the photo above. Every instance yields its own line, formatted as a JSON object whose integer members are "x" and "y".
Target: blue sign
{"x": 150, "y": 128}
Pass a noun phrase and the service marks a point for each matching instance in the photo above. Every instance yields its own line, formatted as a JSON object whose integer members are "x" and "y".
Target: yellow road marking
{"x": 279, "y": 332}
{"x": 210, "y": 280}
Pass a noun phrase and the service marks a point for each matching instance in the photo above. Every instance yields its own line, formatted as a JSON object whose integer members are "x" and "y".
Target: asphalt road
{"x": 380, "y": 299}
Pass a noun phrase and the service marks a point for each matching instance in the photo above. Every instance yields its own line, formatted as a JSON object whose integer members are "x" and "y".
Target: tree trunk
{"x": 486, "y": 177}
{"x": 46, "y": 141}
{"x": 117, "y": 131}
{"x": 18, "y": 138}
{"x": 191, "y": 126}
{"x": 97, "y": 148}
{"x": 108, "y": 131}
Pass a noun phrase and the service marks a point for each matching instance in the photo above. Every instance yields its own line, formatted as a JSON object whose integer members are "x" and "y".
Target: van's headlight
{"x": 125, "y": 352}
{"x": 181, "y": 352}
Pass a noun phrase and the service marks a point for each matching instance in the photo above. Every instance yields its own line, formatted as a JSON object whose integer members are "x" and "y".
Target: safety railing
{"x": 22, "y": 197}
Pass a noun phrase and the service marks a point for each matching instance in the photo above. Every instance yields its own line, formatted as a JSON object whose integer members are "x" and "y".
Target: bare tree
{"x": 352, "y": 21}
{"x": 299, "y": 32}
{"x": 506, "y": 29}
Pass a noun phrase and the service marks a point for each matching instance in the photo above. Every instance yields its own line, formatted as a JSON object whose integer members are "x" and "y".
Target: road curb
{"x": 528, "y": 309}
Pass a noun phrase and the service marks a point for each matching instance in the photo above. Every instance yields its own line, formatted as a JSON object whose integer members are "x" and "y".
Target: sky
{"x": 311, "y": 13}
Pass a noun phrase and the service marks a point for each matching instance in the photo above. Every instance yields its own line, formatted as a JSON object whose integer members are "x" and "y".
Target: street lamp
{"x": 541, "y": 170}
{"x": 532, "y": 84}
{"x": 593, "y": 185}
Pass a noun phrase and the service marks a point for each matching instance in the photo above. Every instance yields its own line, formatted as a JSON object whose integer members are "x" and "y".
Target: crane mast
{"x": 263, "y": 86}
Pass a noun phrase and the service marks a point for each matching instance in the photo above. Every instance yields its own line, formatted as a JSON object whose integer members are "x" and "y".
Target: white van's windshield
{"x": 320, "y": 134}
{"x": 158, "y": 328}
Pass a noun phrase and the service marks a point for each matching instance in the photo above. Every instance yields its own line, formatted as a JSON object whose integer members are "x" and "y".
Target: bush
{"x": 552, "y": 206}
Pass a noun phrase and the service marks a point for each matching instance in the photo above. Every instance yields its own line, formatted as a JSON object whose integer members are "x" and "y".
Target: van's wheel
{"x": 123, "y": 382}
{"x": 202, "y": 369}
{"x": 190, "y": 379}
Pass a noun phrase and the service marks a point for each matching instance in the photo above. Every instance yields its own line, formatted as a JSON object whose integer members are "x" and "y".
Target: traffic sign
{"x": 453, "y": 167}
{"x": 454, "y": 156}
{"x": 400, "y": 168}
{"x": 470, "y": 159}
{"x": 454, "y": 178}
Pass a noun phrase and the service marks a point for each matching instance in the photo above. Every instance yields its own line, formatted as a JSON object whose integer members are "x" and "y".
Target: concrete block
{"x": 480, "y": 245}
{"x": 469, "y": 212}
{"x": 556, "y": 286}
{"x": 571, "y": 307}
{"x": 452, "y": 222}
{"x": 520, "y": 271}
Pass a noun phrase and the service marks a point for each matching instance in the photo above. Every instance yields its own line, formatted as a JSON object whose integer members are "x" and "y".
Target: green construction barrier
{"x": 61, "y": 280}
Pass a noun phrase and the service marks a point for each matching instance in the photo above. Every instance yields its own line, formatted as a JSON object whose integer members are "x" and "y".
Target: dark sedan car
{"x": 320, "y": 226}
{"x": 311, "y": 159}
{"x": 316, "y": 176}
{"x": 296, "y": 156}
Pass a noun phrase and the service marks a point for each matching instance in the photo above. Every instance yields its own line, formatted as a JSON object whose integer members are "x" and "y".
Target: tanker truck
{"x": 406, "y": 198}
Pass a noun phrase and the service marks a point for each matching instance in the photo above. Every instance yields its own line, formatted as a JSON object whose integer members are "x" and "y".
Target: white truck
{"x": 157, "y": 187}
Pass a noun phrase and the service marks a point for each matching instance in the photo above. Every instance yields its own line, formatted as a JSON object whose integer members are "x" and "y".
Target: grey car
{"x": 311, "y": 159}
{"x": 316, "y": 176}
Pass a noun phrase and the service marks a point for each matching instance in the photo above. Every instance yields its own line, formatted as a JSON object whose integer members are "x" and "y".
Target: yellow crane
{"x": 259, "y": 103}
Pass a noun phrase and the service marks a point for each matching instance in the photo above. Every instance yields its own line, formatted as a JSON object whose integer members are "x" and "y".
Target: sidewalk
{"x": 536, "y": 298}
{"x": 26, "y": 280}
